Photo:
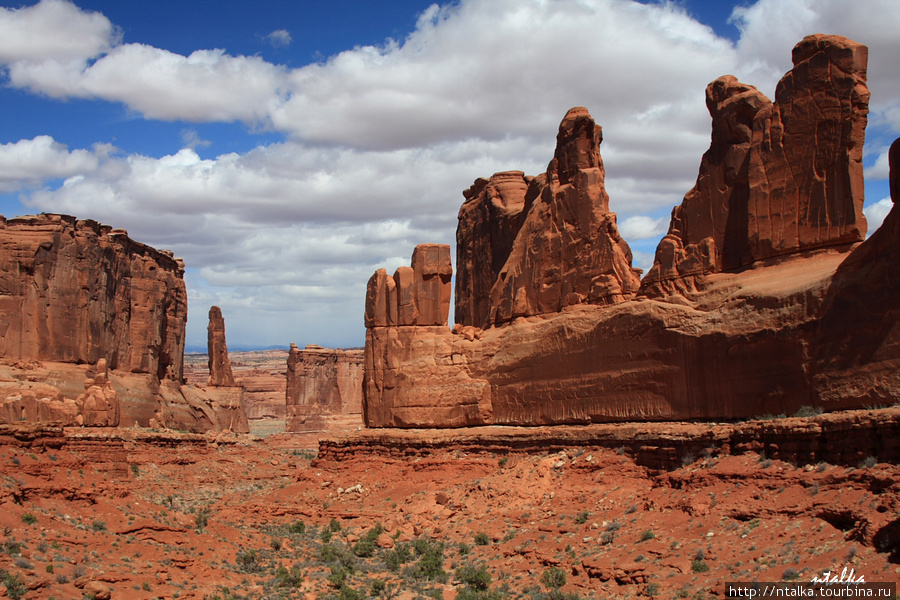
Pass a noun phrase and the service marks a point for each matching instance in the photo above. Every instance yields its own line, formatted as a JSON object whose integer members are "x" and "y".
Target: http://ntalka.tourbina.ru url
{"x": 829, "y": 585}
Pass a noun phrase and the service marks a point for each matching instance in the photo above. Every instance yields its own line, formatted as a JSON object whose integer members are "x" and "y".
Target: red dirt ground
{"x": 107, "y": 514}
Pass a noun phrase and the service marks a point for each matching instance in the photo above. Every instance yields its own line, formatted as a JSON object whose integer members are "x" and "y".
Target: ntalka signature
{"x": 845, "y": 577}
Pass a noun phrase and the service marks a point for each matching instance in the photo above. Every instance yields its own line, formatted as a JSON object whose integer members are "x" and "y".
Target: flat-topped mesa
{"x": 324, "y": 390}
{"x": 76, "y": 291}
{"x": 778, "y": 178}
{"x": 568, "y": 249}
{"x": 220, "y": 373}
{"x": 416, "y": 295}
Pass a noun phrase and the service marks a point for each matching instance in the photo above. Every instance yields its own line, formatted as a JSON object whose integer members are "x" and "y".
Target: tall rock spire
{"x": 219, "y": 365}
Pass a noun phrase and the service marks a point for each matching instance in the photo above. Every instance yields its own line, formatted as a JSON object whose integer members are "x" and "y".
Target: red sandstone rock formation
{"x": 264, "y": 391}
{"x": 324, "y": 390}
{"x": 416, "y": 295}
{"x": 489, "y": 220}
{"x": 37, "y": 402}
{"x": 219, "y": 366}
{"x": 857, "y": 341}
{"x": 99, "y": 404}
{"x": 751, "y": 201}
{"x": 78, "y": 291}
{"x": 568, "y": 250}
{"x": 816, "y": 326}
{"x": 260, "y": 373}
{"x": 402, "y": 314}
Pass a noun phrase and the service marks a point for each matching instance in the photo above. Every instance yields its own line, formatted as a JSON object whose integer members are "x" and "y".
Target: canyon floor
{"x": 142, "y": 514}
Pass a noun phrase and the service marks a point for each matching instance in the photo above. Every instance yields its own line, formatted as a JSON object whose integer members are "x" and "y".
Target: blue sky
{"x": 288, "y": 149}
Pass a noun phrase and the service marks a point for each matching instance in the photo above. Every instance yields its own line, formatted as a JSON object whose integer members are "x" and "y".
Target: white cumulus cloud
{"x": 876, "y": 212}
{"x": 641, "y": 227}
{"x": 279, "y": 38}
{"x": 29, "y": 163}
{"x": 379, "y": 141}
{"x": 53, "y": 30}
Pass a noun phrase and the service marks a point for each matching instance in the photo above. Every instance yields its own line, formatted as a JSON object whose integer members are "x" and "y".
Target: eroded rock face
{"x": 568, "y": 250}
{"x": 856, "y": 351}
{"x": 779, "y": 177}
{"x": 416, "y": 295}
{"x": 99, "y": 404}
{"x": 37, "y": 403}
{"x": 78, "y": 291}
{"x": 220, "y": 373}
{"x": 402, "y": 314}
{"x": 525, "y": 246}
{"x": 324, "y": 390}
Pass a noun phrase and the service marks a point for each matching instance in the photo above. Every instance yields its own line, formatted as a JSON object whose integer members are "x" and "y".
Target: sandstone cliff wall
{"x": 77, "y": 291}
{"x": 259, "y": 373}
{"x": 761, "y": 308}
{"x": 92, "y": 331}
{"x": 324, "y": 390}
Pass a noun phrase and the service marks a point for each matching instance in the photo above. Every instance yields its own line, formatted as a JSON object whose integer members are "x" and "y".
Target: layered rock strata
{"x": 770, "y": 317}
{"x": 324, "y": 390}
{"x": 751, "y": 201}
{"x": 843, "y": 437}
